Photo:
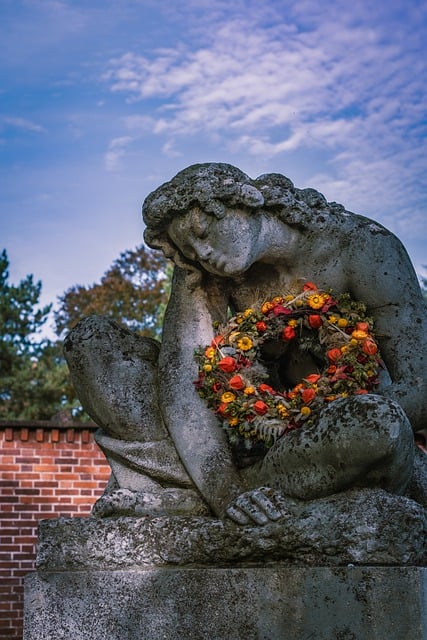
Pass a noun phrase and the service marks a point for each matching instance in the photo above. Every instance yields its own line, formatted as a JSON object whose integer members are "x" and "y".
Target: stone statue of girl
{"x": 231, "y": 239}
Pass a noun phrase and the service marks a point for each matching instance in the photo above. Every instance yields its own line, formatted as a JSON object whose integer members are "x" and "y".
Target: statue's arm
{"x": 196, "y": 432}
{"x": 401, "y": 327}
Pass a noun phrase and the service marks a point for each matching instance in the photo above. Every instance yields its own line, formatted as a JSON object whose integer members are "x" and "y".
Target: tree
{"x": 133, "y": 292}
{"x": 34, "y": 382}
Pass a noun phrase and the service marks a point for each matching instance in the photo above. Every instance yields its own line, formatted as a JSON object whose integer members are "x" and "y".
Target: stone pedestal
{"x": 268, "y": 603}
{"x": 346, "y": 568}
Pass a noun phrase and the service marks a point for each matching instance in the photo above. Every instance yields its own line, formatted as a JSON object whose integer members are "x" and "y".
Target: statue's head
{"x": 219, "y": 191}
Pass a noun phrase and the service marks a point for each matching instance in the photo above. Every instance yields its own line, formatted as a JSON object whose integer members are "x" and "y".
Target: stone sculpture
{"x": 231, "y": 239}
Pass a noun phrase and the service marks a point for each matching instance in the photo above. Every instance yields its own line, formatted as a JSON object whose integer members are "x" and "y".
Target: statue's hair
{"x": 217, "y": 188}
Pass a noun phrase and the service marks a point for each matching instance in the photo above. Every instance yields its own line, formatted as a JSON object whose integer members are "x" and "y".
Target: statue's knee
{"x": 101, "y": 338}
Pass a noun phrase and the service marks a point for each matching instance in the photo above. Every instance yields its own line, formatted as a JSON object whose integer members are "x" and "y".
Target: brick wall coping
{"x": 46, "y": 424}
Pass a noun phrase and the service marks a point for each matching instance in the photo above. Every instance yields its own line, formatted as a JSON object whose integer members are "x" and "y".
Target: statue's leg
{"x": 361, "y": 441}
{"x": 114, "y": 372}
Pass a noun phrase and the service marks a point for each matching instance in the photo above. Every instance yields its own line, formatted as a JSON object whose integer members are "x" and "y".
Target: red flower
{"x": 362, "y": 326}
{"x": 313, "y": 378}
{"x": 280, "y": 310}
{"x": 308, "y": 395}
{"x": 222, "y": 409}
{"x": 265, "y": 388}
{"x": 217, "y": 341}
{"x": 334, "y": 354}
{"x": 369, "y": 347}
{"x": 309, "y": 286}
{"x": 315, "y": 321}
{"x": 261, "y": 326}
{"x": 288, "y": 333}
{"x": 227, "y": 364}
{"x": 236, "y": 383}
{"x": 360, "y": 392}
{"x": 260, "y": 407}
{"x": 216, "y": 387}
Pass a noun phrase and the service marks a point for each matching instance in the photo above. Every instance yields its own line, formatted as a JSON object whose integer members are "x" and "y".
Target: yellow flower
{"x": 239, "y": 319}
{"x": 305, "y": 411}
{"x": 233, "y": 422}
{"x": 293, "y": 323}
{"x": 354, "y": 342}
{"x": 210, "y": 353}
{"x": 207, "y": 367}
{"x": 299, "y": 303}
{"x": 333, "y": 319}
{"x": 359, "y": 335}
{"x": 244, "y": 343}
{"x": 227, "y": 397}
{"x": 316, "y": 301}
{"x": 289, "y": 297}
{"x": 247, "y": 313}
{"x": 278, "y": 300}
{"x": 249, "y": 391}
{"x": 344, "y": 349}
{"x": 342, "y": 322}
{"x": 282, "y": 411}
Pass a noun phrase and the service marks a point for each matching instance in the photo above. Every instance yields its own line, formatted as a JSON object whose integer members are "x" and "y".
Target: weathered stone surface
{"x": 360, "y": 527}
{"x": 256, "y": 603}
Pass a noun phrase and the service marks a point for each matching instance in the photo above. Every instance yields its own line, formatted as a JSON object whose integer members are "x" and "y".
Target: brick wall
{"x": 47, "y": 470}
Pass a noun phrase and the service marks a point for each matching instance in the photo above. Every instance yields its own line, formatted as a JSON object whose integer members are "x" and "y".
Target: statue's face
{"x": 225, "y": 247}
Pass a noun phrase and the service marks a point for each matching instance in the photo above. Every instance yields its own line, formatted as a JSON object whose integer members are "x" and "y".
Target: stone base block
{"x": 268, "y": 603}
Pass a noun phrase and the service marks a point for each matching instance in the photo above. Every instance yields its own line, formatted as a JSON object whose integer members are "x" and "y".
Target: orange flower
{"x": 334, "y": 354}
{"x": 227, "y": 364}
{"x": 360, "y": 392}
{"x": 260, "y": 407}
{"x": 369, "y": 347}
{"x": 308, "y": 395}
{"x": 266, "y": 307}
{"x": 261, "y": 326}
{"x": 315, "y": 321}
{"x": 236, "y": 383}
{"x": 288, "y": 333}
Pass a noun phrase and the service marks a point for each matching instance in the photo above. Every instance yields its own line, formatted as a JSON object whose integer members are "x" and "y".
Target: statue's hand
{"x": 258, "y": 506}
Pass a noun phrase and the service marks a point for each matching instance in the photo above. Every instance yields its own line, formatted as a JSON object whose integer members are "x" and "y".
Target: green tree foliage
{"x": 34, "y": 382}
{"x": 133, "y": 292}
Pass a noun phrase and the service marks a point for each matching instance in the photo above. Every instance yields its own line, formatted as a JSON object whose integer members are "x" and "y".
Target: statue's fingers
{"x": 251, "y": 508}
{"x": 237, "y": 515}
{"x": 266, "y": 504}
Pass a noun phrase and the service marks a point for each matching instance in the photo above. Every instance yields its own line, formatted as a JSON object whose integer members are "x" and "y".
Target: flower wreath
{"x": 236, "y": 377}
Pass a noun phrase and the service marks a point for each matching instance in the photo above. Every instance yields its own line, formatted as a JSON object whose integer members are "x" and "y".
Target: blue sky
{"x": 101, "y": 101}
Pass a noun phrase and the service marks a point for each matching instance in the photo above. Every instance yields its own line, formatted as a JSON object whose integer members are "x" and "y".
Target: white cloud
{"x": 22, "y": 123}
{"x": 345, "y": 81}
{"x": 115, "y": 153}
